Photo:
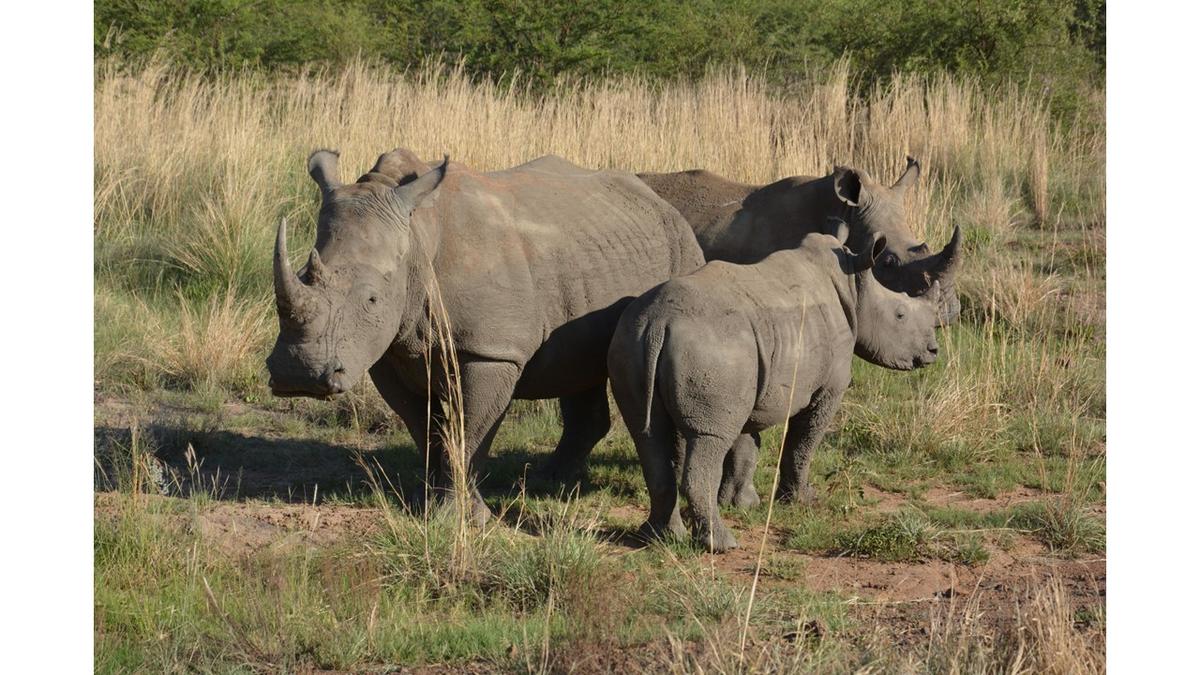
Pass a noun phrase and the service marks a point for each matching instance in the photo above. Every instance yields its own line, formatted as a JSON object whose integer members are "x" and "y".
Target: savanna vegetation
{"x": 1055, "y": 46}
{"x": 960, "y": 525}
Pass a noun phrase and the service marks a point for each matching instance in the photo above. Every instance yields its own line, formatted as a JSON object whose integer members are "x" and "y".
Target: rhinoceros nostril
{"x": 335, "y": 377}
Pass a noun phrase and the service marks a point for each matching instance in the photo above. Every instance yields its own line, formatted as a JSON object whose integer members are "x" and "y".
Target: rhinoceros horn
{"x": 945, "y": 263}
{"x": 289, "y": 290}
{"x": 316, "y": 269}
{"x": 909, "y": 178}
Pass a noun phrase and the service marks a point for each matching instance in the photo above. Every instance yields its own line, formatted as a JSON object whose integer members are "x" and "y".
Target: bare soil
{"x": 296, "y": 479}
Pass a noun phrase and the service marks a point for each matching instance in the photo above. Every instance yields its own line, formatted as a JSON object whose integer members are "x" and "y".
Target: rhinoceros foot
{"x": 660, "y": 532}
{"x": 562, "y": 470}
{"x": 746, "y": 498}
{"x": 796, "y": 494}
{"x": 715, "y": 536}
{"x": 445, "y": 506}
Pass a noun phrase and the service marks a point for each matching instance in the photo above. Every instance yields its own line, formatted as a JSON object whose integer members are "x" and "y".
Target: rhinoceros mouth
{"x": 922, "y": 361}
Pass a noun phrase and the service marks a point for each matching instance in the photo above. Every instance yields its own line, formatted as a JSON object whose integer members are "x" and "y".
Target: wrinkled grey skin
{"x": 746, "y": 223}
{"x": 533, "y": 266}
{"x": 729, "y": 350}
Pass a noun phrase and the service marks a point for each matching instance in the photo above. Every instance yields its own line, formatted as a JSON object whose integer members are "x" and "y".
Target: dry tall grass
{"x": 1041, "y": 637}
{"x": 191, "y": 173}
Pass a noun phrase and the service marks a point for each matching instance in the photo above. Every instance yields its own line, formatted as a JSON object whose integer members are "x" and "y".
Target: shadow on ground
{"x": 230, "y": 465}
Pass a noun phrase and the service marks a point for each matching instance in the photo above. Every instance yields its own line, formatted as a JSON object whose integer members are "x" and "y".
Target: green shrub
{"x": 1051, "y": 43}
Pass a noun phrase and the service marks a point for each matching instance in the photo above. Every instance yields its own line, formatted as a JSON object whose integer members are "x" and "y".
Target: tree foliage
{"x": 1053, "y": 43}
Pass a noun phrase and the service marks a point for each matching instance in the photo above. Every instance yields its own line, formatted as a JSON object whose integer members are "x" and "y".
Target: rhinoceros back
{"x": 537, "y": 262}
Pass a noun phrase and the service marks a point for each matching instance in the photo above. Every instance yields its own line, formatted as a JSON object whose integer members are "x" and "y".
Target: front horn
{"x": 289, "y": 291}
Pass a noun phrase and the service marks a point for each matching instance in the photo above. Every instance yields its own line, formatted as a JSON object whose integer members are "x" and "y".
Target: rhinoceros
{"x": 733, "y": 349}
{"x": 529, "y": 267}
{"x": 744, "y": 223}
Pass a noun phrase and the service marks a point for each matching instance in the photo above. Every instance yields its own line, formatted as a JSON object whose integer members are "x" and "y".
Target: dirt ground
{"x": 276, "y": 494}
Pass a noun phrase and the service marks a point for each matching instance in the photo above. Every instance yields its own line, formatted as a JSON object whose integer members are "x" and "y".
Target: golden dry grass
{"x": 193, "y": 173}
{"x": 1040, "y": 637}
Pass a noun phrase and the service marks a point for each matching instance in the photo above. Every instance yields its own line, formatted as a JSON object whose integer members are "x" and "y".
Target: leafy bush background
{"x": 1055, "y": 45}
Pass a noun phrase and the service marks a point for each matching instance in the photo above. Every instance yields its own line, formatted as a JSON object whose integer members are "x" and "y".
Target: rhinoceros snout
{"x": 331, "y": 381}
{"x": 930, "y": 355}
{"x": 334, "y": 378}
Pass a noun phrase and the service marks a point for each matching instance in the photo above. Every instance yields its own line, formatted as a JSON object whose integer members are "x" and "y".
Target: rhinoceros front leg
{"x": 805, "y": 431}
{"x": 487, "y": 390}
{"x": 419, "y": 415}
{"x": 585, "y": 422}
{"x": 737, "y": 479}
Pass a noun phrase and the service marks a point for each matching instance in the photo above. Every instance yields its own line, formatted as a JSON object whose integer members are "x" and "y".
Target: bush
{"x": 1056, "y": 43}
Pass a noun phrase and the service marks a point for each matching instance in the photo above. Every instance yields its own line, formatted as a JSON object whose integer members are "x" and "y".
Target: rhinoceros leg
{"x": 413, "y": 409}
{"x": 805, "y": 431}
{"x": 487, "y": 389}
{"x": 585, "y": 422}
{"x": 701, "y": 478}
{"x": 656, "y": 450}
{"x": 737, "y": 480}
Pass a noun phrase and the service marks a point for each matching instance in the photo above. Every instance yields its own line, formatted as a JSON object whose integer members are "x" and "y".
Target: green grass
{"x": 528, "y": 587}
{"x": 396, "y": 597}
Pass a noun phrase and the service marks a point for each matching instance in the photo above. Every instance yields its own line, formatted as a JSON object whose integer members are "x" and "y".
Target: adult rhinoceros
{"x": 530, "y": 267}
{"x": 741, "y": 223}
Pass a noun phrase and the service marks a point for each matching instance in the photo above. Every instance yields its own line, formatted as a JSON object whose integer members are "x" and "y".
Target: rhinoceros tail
{"x": 655, "y": 338}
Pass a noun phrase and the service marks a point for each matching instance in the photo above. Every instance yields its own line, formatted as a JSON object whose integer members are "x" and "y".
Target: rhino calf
{"x": 728, "y": 350}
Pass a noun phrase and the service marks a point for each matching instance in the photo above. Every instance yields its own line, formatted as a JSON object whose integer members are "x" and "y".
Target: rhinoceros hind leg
{"x": 737, "y": 478}
{"x": 656, "y": 449}
{"x": 586, "y": 422}
{"x": 701, "y": 479}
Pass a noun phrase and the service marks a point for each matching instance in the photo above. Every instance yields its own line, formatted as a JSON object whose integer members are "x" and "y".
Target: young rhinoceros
{"x": 733, "y": 349}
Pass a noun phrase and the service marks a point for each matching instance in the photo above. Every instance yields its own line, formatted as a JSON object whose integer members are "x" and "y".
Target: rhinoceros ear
{"x": 323, "y": 167}
{"x": 838, "y": 228}
{"x": 847, "y": 185}
{"x": 909, "y": 178}
{"x": 865, "y": 260}
{"x": 410, "y": 194}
